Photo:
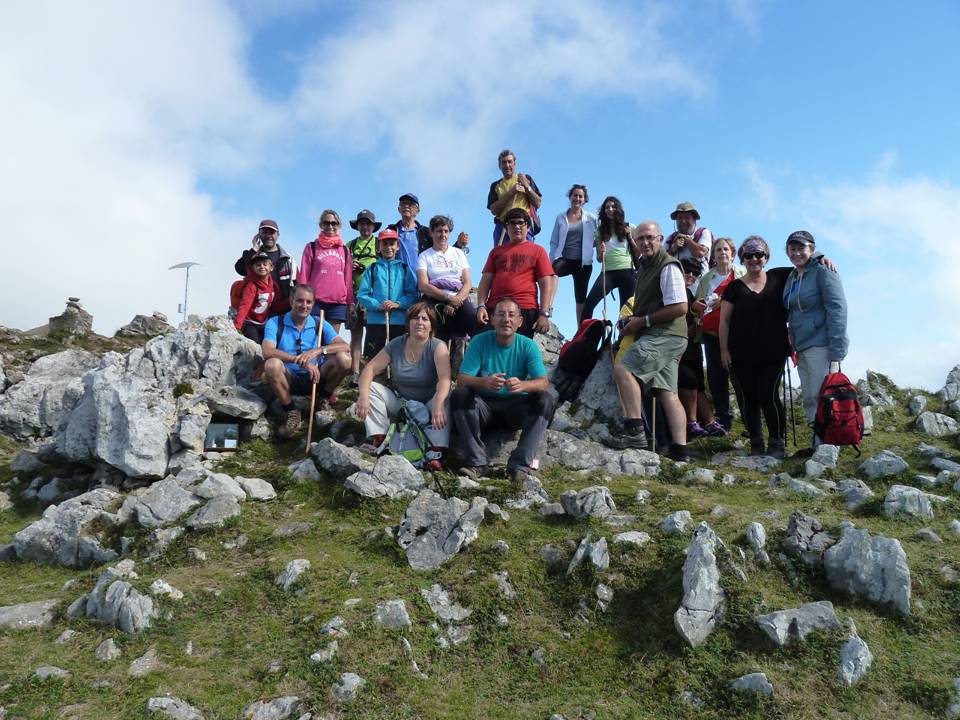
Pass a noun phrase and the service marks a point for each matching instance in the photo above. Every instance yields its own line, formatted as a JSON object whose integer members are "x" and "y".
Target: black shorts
{"x": 690, "y": 370}
{"x": 377, "y": 337}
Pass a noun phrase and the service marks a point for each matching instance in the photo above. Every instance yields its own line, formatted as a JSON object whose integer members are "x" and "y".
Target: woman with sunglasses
{"x": 571, "y": 244}
{"x": 616, "y": 252}
{"x": 327, "y": 267}
{"x": 421, "y": 383}
{"x": 753, "y": 345}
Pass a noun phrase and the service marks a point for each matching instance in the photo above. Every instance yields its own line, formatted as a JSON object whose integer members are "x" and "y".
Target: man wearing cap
{"x": 294, "y": 360}
{"x": 414, "y": 237}
{"x": 284, "y": 271}
{"x": 659, "y": 324}
{"x": 363, "y": 250}
{"x": 521, "y": 270}
{"x": 513, "y": 190}
{"x": 689, "y": 241}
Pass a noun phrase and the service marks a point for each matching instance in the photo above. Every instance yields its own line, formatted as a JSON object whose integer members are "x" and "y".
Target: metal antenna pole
{"x": 186, "y": 285}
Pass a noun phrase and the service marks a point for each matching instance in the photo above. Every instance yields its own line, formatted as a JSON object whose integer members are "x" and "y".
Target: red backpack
{"x": 236, "y": 290}
{"x": 579, "y": 355}
{"x": 839, "y": 419}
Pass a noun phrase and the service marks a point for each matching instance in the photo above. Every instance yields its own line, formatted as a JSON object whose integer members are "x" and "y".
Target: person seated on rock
{"x": 294, "y": 360}
{"x": 502, "y": 381}
{"x": 443, "y": 276}
{"x": 420, "y": 368}
{"x": 387, "y": 289}
{"x": 256, "y": 297}
{"x": 659, "y": 307}
{"x": 284, "y": 272}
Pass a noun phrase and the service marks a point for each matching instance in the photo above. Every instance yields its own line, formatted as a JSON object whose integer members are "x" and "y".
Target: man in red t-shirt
{"x": 519, "y": 270}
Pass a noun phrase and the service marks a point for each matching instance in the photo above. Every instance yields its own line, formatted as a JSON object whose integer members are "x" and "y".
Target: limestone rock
{"x": 753, "y": 683}
{"x": 907, "y": 500}
{"x": 107, "y": 651}
{"x": 855, "y": 493}
{"x": 951, "y": 387}
{"x": 214, "y": 513}
{"x": 348, "y": 687}
{"x": 27, "y": 615}
{"x": 756, "y": 536}
{"x": 806, "y": 539}
{"x": 827, "y": 455}
{"x": 162, "y": 587}
{"x": 62, "y": 535}
{"x": 49, "y": 391}
{"x": 392, "y": 614}
{"x": 256, "y": 488}
{"x": 597, "y": 552}
{"x": 165, "y": 502}
{"x": 937, "y": 424}
{"x": 783, "y": 481}
{"x": 855, "y": 659}
{"x": 51, "y": 672}
{"x": 27, "y": 462}
{"x": 217, "y": 484}
{"x": 632, "y": 537}
{"x": 593, "y": 501}
{"x": 884, "y": 464}
{"x": 304, "y": 471}
{"x": 327, "y": 654}
{"x": 291, "y": 574}
{"x": 433, "y": 529}
{"x": 174, "y": 708}
{"x": 532, "y": 494}
{"x": 873, "y": 391}
{"x": 443, "y": 606}
{"x": 785, "y": 626}
{"x": 338, "y": 460}
{"x": 916, "y": 404}
{"x": 233, "y": 401}
{"x": 703, "y": 598}
{"x": 280, "y": 708}
{"x": 391, "y": 476}
{"x": 595, "y": 403}
{"x": 145, "y": 664}
{"x": 677, "y": 523}
{"x": 113, "y": 601}
{"x": 507, "y": 591}
{"x": 928, "y": 535}
{"x": 874, "y": 567}
{"x": 145, "y": 326}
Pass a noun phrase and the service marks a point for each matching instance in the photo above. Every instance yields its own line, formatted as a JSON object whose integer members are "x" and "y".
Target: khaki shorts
{"x": 654, "y": 360}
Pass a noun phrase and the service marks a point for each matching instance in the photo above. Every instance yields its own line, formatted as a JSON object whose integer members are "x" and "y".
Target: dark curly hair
{"x": 612, "y": 228}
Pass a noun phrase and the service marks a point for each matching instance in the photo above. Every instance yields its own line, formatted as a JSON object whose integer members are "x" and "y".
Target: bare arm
{"x": 726, "y": 312}
{"x": 663, "y": 315}
{"x": 442, "y": 360}
{"x": 425, "y": 288}
{"x": 483, "y": 294}
{"x": 269, "y": 350}
{"x": 516, "y": 385}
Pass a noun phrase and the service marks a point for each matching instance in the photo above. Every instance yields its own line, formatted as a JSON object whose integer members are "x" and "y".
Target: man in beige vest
{"x": 659, "y": 307}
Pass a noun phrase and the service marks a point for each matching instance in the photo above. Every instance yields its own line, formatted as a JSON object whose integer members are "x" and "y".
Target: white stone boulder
{"x": 874, "y": 567}
{"x": 703, "y": 598}
{"x": 434, "y": 529}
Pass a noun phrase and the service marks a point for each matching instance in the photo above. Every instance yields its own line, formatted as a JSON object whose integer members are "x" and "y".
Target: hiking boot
{"x": 371, "y": 446}
{"x": 291, "y": 423}
{"x": 679, "y": 453}
{"x": 777, "y": 448}
{"x": 756, "y": 446}
{"x": 715, "y": 429}
{"x": 517, "y": 477}
{"x": 433, "y": 459}
{"x": 355, "y": 380}
{"x": 625, "y": 440}
{"x": 474, "y": 472}
{"x": 694, "y": 431}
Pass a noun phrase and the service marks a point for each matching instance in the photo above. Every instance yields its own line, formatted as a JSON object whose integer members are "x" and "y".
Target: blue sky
{"x": 146, "y": 135}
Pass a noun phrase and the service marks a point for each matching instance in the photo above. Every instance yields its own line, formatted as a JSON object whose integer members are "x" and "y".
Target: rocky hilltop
{"x": 144, "y": 574}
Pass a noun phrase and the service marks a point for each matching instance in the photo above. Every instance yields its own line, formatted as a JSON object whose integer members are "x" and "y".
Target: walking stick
{"x": 388, "y": 340}
{"x": 653, "y": 421}
{"x": 793, "y": 419}
{"x": 313, "y": 390}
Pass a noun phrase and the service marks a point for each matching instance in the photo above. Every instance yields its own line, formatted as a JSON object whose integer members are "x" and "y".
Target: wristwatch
{"x": 547, "y": 313}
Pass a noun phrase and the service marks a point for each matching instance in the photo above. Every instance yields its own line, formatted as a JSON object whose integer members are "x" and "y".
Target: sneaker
{"x": 291, "y": 423}
{"x": 355, "y": 380}
{"x": 694, "y": 431}
{"x": 371, "y": 446}
{"x": 777, "y": 448}
{"x": 679, "y": 453}
{"x": 625, "y": 440}
{"x": 715, "y": 429}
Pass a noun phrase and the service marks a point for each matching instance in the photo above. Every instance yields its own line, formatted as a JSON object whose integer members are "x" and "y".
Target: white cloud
{"x": 442, "y": 84}
{"x": 113, "y": 112}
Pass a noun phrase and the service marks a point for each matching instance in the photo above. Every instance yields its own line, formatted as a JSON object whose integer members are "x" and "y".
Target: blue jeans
{"x": 719, "y": 381}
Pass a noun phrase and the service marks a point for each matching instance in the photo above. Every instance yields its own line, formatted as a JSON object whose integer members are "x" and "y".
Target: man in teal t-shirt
{"x": 502, "y": 379}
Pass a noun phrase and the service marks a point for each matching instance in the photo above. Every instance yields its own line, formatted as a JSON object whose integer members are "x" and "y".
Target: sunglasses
{"x": 517, "y": 223}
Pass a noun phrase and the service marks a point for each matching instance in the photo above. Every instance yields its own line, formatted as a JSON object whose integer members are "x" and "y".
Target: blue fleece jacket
{"x": 387, "y": 280}
{"x": 817, "y": 309}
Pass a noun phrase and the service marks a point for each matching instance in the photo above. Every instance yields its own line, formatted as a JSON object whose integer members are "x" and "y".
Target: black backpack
{"x": 578, "y": 357}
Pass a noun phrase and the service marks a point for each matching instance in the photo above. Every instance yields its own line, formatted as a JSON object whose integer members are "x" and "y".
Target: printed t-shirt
{"x": 295, "y": 341}
{"x": 414, "y": 381}
{"x": 758, "y": 324}
{"x": 516, "y": 269}
{"x": 444, "y": 268}
{"x": 520, "y": 359}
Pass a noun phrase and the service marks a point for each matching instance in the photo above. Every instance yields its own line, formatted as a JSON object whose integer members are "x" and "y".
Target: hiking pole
{"x": 653, "y": 421}
{"x": 793, "y": 419}
{"x": 783, "y": 386}
{"x": 388, "y": 340}
{"x": 313, "y": 390}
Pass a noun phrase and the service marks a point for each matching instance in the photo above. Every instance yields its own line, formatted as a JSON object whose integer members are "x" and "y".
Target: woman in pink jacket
{"x": 327, "y": 268}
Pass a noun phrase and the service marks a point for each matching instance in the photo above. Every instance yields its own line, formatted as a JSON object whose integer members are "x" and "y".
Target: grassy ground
{"x": 626, "y": 663}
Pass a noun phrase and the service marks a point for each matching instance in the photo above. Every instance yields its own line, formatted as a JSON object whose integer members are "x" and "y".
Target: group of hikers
{"x": 404, "y": 292}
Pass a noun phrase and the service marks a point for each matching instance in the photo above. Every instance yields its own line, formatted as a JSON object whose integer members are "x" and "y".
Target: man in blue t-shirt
{"x": 294, "y": 361}
{"x": 502, "y": 379}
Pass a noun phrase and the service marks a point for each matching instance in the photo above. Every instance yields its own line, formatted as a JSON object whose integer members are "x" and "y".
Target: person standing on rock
{"x": 363, "y": 251}
{"x": 659, "y": 309}
{"x": 294, "y": 360}
{"x": 689, "y": 241}
{"x": 502, "y": 382}
{"x": 571, "y": 244}
{"x": 328, "y": 268}
{"x": 513, "y": 190}
{"x": 616, "y": 254}
{"x": 521, "y": 270}
{"x": 817, "y": 314}
{"x": 414, "y": 237}
{"x": 284, "y": 271}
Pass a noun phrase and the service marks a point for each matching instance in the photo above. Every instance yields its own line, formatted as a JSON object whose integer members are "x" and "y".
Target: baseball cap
{"x": 269, "y": 224}
{"x": 410, "y": 196}
{"x": 803, "y": 237}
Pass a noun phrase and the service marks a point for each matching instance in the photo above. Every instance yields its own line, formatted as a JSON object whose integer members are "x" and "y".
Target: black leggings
{"x": 625, "y": 281}
{"x": 581, "y": 275}
{"x": 756, "y": 387}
